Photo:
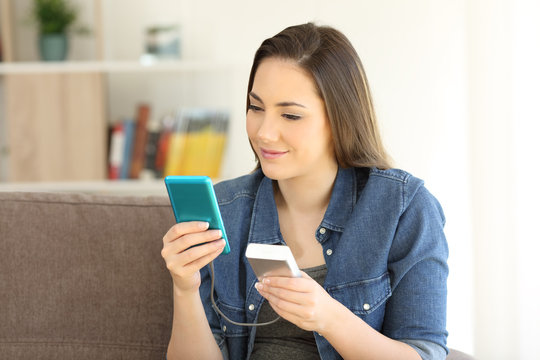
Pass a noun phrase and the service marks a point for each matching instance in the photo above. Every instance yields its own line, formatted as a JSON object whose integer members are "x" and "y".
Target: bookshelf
{"x": 54, "y": 116}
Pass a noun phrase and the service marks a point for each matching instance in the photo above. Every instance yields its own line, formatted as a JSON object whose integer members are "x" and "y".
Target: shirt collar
{"x": 342, "y": 200}
{"x": 265, "y": 223}
{"x": 264, "y": 219}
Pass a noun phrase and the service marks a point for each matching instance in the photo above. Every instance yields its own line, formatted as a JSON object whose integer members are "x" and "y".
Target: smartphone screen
{"x": 193, "y": 199}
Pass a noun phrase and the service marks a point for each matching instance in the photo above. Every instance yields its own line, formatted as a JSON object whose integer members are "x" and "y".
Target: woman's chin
{"x": 273, "y": 172}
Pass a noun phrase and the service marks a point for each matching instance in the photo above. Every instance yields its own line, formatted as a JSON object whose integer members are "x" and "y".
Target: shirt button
{"x": 251, "y": 307}
{"x": 322, "y": 231}
{"x": 367, "y": 307}
{"x": 329, "y": 252}
{"x": 224, "y": 328}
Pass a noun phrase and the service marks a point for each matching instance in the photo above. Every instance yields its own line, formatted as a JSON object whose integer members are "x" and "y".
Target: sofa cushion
{"x": 81, "y": 276}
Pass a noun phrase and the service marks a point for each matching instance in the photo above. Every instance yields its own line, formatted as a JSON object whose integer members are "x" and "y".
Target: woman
{"x": 369, "y": 238}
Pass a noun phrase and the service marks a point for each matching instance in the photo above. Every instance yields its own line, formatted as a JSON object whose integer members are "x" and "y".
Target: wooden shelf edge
{"x": 119, "y": 187}
{"x": 112, "y": 66}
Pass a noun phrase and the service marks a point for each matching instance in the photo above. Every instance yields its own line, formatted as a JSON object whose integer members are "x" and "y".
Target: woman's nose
{"x": 269, "y": 129}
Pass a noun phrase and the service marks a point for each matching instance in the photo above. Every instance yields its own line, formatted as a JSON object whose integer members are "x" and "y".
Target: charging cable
{"x": 222, "y": 314}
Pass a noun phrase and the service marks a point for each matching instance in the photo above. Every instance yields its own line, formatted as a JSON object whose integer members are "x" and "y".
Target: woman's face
{"x": 287, "y": 123}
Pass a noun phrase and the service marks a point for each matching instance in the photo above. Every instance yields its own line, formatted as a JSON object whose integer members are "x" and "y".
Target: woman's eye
{"x": 254, "y": 107}
{"x": 291, "y": 116}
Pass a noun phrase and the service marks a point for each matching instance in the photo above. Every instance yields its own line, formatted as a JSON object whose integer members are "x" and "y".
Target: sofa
{"x": 81, "y": 277}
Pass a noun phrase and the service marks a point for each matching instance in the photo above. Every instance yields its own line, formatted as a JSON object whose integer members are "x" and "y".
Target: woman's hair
{"x": 328, "y": 56}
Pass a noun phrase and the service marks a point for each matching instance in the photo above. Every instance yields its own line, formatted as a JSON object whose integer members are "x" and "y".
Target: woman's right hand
{"x": 183, "y": 259}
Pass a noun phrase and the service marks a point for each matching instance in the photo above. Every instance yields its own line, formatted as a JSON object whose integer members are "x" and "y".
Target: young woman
{"x": 368, "y": 238}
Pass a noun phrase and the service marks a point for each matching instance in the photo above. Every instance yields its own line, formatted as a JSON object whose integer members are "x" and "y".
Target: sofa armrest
{"x": 458, "y": 355}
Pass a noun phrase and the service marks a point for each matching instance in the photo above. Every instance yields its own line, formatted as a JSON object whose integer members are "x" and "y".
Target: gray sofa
{"x": 81, "y": 277}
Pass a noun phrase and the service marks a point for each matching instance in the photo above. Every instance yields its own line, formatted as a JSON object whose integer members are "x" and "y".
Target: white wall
{"x": 504, "y": 54}
{"x": 526, "y": 114}
{"x": 490, "y": 29}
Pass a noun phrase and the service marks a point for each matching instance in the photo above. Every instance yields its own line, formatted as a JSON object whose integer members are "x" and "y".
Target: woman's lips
{"x": 272, "y": 154}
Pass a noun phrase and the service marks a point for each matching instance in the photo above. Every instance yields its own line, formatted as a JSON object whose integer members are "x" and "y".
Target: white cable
{"x": 222, "y": 314}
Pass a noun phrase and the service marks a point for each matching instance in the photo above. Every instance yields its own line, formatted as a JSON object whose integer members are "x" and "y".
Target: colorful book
{"x": 139, "y": 141}
{"x": 216, "y": 147}
{"x": 176, "y": 146}
{"x": 149, "y": 170}
{"x": 192, "y": 142}
{"x": 116, "y": 151}
{"x": 129, "y": 132}
{"x": 197, "y": 144}
{"x": 167, "y": 128}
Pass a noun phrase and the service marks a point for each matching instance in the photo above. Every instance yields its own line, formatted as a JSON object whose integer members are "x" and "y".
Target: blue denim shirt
{"x": 383, "y": 244}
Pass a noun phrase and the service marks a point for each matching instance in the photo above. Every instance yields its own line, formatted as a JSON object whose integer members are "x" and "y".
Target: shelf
{"x": 111, "y": 66}
{"x": 73, "y": 102}
{"x": 120, "y": 187}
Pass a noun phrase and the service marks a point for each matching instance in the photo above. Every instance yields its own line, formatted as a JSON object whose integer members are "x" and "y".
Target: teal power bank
{"x": 193, "y": 199}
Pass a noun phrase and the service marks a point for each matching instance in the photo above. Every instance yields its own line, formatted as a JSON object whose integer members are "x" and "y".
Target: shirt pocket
{"x": 365, "y": 298}
{"x": 234, "y": 313}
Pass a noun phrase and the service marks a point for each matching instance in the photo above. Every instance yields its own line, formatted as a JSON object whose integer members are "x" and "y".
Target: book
{"x": 176, "y": 147}
{"x": 139, "y": 141}
{"x": 116, "y": 151}
{"x": 149, "y": 170}
{"x": 197, "y": 144}
{"x": 167, "y": 128}
{"x": 189, "y": 142}
{"x": 216, "y": 147}
{"x": 129, "y": 132}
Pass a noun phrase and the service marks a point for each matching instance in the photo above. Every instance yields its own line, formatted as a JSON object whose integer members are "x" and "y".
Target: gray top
{"x": 282, "y": 339}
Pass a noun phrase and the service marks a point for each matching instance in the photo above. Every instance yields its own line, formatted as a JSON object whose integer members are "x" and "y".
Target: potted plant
{"x": 55, "y": 18}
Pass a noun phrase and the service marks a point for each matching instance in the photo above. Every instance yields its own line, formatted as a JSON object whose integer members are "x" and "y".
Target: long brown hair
{"x": 329, "y": 57}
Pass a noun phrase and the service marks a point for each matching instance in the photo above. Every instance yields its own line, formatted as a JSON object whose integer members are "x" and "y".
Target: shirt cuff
{"x": 426, "y": 349}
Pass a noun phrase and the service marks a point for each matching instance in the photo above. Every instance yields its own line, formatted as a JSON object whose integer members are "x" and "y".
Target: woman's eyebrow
{"x": 282, "y": 104}
{"x": 289, "y": 103}
{"x": 256, "y": 97}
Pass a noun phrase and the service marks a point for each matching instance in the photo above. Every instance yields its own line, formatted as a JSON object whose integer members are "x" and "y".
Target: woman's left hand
{"x": 302, "y": 301}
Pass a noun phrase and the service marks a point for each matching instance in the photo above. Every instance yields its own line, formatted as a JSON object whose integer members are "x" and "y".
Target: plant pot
{"x": 53, "y": 47}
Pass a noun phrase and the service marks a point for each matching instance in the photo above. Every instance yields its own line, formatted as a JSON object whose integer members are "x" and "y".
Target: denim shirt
{"x": 384, "y": 247}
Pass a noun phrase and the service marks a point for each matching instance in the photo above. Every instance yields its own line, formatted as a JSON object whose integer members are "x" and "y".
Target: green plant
{"x": 54, "y": 16}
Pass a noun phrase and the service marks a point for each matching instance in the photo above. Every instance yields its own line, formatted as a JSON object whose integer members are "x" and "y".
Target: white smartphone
{"x": 272, "y": 260}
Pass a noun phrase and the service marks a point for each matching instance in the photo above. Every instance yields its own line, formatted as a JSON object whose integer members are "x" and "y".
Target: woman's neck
{"x": 306, "y": 194}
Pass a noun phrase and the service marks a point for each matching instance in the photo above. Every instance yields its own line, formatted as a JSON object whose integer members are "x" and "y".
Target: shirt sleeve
{"x": 418, "y": 270}
{"x": 426, "y": 349}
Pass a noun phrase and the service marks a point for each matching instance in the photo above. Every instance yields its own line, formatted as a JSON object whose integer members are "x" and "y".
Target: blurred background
{"x": 455, "y": 85}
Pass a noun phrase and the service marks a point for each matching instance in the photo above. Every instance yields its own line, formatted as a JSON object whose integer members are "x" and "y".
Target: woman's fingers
{"x": 206, "y": 259}
{"x": 192, "y": 260}
{"x": 189, "y": 246}
{"x": 293, "y": 295}
{"x": 301, "y": 301}
{"x": 196, "y": 252}
{"x": 184, "y": 228}
{"x": 188, "y": 240}
{"x": 303, "y": 284}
